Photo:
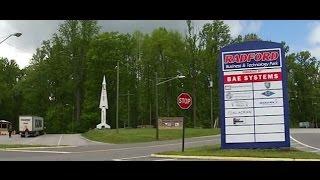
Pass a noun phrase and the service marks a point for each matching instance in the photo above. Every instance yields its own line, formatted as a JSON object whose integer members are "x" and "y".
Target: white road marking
{"x": 60, "y": 140}
{"x": 54, "y": 152}
{"x": 42, "y": 147}
{"x": 304, "y": 144}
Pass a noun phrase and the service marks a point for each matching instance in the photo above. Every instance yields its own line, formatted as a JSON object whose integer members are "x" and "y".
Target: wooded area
{"x": 63, "y": 81}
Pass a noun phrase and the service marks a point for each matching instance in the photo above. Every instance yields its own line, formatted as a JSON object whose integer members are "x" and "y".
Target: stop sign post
{"x": 184, "y": 101}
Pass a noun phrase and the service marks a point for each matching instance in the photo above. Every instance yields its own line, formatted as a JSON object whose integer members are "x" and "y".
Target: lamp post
{"x": 211, "y": 104}
{"x": 156, "y": 88}
{"x": 15, "y": 34}
{"x": 117, "y": 115}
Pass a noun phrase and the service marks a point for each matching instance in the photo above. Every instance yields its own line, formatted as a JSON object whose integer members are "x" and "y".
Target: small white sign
{"x": 238, "y": 95}
{"x": 268, "y": 102}
{"x": 270, "y": 128}
{"x": 268, "y": 94}
{"x": 267, "y": 85}
{"x": 239, "y": 129}
{"x": 269, "y": 119}
{"x": 240, "y": 138}
{"x": 237, "y": 121}
{"x": 272, "y": 137}
{"x": 239, "y": 112}
{"x": 239, "y": 104}
{"x": 238, "y": 87}
{"x": 268, "y": 111}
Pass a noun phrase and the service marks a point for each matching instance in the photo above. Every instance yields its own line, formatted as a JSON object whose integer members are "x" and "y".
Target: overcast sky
{"x": 36, "y": 31}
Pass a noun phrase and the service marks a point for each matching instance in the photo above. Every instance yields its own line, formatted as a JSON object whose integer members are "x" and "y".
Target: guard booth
{"x": 4, "y": 125}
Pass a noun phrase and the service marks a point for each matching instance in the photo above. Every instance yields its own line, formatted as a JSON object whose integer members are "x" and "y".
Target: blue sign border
{"x": 254, "y": 45}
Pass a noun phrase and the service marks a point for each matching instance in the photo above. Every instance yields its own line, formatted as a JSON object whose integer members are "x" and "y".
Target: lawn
{"x": 4, "y": 146}
{"x": 265, "y": 153}
{"x": 144, "y": 134}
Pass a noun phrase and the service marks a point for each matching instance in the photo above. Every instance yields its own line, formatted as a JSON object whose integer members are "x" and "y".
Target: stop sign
{"x": 184, "y": 101}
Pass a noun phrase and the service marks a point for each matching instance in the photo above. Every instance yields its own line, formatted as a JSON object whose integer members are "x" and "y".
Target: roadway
{"x": 84, "y": 150}
{"x": 103, "y": 152}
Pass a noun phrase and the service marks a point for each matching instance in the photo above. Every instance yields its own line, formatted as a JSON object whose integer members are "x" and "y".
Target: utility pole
{"x": 157, "y": 115}
{"x": 128, "y": 108}
{"x": 128, "y": 105}
{"x": 117, "y": 115}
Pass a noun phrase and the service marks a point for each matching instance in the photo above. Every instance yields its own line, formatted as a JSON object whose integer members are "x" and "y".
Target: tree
{"x": 9, "y": 97}
{"x": 213, "y": 37}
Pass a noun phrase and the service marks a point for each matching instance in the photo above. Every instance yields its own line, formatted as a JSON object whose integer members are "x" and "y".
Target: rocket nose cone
{"x": 104, "y": 80}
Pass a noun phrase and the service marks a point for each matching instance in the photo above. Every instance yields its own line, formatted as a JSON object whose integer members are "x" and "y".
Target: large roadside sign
{"x": 253, "y": 96}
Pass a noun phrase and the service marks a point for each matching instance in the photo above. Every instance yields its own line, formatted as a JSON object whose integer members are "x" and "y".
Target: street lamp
{"x": 211, "y": 104}
{"x": 15, "y": 34}
{"x": 158, "y": 83}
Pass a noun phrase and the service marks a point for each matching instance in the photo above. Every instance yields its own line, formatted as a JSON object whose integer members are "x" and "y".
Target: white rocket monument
{"x": 103, "y": 106}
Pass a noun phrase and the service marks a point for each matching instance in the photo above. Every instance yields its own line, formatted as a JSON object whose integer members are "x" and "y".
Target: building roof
{"x": 4, "y": 121}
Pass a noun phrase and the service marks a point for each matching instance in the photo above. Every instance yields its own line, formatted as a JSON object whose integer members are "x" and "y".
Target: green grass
{"x": 266, "y": 153}
{"x": 4, "y": 146}
{"x": 143, "y": 134}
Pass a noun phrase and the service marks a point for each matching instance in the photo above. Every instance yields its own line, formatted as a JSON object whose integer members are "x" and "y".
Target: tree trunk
{"x": 78, "y": 102}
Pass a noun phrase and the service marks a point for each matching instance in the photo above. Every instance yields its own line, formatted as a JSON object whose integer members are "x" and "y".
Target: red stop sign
{"x": 184, "y": 101}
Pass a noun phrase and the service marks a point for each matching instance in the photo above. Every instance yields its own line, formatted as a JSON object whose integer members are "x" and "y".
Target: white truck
{"x": 31, "y": 126}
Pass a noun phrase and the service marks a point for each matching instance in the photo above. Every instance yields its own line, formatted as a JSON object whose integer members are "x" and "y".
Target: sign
{"x": 253, "y": 96}
{"x": 184, "y": 101}
{"x": 170, "y": 122}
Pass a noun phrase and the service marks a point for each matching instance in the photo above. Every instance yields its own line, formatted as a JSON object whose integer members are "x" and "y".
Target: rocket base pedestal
{"x": 103, "y": 125}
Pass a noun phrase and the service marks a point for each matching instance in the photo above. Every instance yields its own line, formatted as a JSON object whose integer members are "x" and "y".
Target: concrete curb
{"x": 230, "y": 158}
{"x": 93, "y": 141}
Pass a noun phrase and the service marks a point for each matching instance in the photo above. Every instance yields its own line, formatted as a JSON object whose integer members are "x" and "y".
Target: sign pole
{"x": 184, "y": 101}
{"x": 183, "y": 134}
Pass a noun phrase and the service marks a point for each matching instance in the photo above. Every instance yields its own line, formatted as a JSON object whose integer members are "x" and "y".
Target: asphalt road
{"x": 104, "y": 152}
{"x": 304, "y": 139}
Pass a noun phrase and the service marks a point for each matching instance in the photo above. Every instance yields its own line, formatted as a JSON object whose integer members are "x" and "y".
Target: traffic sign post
{"x": 184, "y": 101}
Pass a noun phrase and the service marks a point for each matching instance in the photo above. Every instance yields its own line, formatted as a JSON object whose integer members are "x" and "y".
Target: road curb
{"x": 230, "y": 158}
{"x": 92, "y": 140}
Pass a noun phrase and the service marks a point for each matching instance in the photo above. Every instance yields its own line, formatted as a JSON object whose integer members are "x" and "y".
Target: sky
{"x": 300, "y": 35}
